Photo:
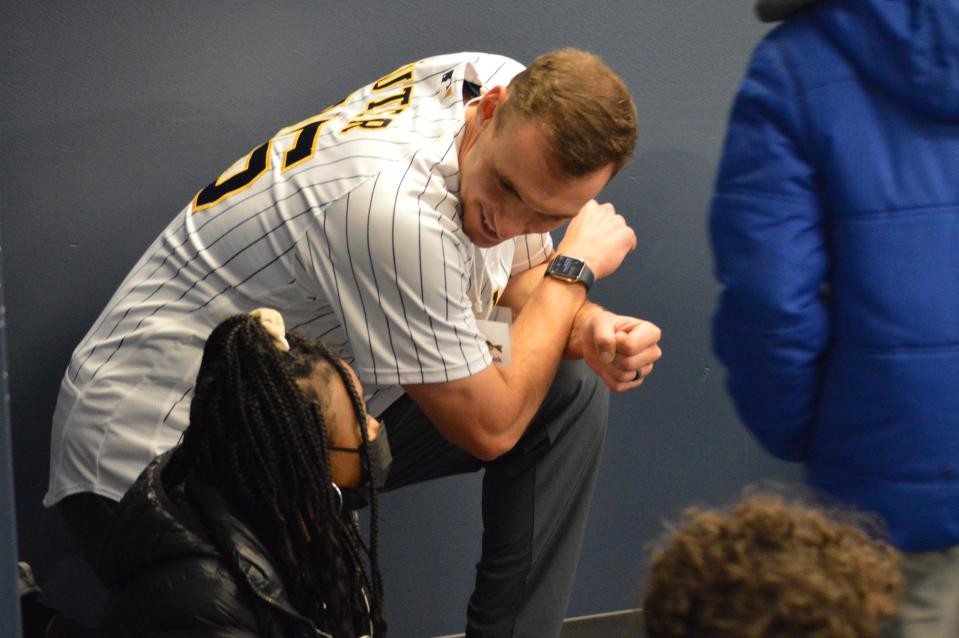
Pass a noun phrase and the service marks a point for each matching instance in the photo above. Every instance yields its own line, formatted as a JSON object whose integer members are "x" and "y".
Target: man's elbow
{"x": 483, "y": 435}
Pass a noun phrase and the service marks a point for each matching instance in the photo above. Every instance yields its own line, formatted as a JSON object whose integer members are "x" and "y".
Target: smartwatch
{"x": 570, "y": 270}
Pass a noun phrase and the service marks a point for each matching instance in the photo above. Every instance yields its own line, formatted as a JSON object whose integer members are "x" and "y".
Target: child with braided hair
{"x": 240, "y": 530}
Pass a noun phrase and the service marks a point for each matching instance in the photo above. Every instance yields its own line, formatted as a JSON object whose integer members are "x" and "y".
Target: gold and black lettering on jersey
{"x": 401, "y": 76}
{"x": 393, "y": 93}
{"x": 368, "y": 123}
{"x": 307, "y": 132}
{"x": 399, "y": 85}
{"x": 304, "y": 145}
{"x": 257, "y": 163}
{"x": 395, "y": 103}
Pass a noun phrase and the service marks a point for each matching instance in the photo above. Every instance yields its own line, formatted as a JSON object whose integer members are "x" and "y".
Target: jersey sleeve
{"x": 530, "y": 251}
{"x": 393, "y": 261}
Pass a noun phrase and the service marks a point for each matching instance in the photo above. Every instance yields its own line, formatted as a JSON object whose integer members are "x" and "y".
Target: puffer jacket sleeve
{"x": 766, "y": 227}
{"x": 190, "y": 599}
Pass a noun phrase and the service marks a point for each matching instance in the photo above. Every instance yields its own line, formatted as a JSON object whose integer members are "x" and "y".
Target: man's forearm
{"x": 520, "y": 290}
{"x": 574, "y": 343}
{"x": 539, "y": 338}
{"x": 486, "y": 414}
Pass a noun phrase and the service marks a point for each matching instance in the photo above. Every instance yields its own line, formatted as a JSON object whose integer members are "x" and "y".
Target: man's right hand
{"x": 600, "y": 237}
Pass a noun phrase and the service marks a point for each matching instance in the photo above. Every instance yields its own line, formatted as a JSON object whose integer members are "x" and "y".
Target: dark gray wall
{"x": 9, "y": 609}
{"x": 115, "y": 113}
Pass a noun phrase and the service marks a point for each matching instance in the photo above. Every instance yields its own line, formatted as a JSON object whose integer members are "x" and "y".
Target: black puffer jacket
{"x": 180, "y": 563}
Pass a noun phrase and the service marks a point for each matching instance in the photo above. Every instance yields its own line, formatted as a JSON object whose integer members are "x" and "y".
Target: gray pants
{"x": 88, "y": 518}
{"x": 930, "y": 604}
{"x": 536, "y": 499}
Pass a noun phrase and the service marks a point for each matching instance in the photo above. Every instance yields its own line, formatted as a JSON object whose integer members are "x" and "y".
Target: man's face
{"x": 507, "y": 186}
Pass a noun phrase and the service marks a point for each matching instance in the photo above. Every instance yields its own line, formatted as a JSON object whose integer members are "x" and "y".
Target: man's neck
{"x": 469, "y": 131}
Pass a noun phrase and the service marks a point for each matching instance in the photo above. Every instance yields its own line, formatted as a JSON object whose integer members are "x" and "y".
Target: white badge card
{"x": 496, "y": 330}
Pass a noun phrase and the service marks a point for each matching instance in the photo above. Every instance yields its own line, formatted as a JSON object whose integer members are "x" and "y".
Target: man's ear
{"x": 491, "y": 101}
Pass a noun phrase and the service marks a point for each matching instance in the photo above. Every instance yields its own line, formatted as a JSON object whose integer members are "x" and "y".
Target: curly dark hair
{"x": 770, "y": 569}
{"x": 262, "y": 442}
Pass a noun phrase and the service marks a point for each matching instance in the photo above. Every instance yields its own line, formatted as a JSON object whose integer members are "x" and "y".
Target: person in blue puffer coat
{"x": 835, "y": 228}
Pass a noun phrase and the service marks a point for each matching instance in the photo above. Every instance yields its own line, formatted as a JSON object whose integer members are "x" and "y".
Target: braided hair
{"x": 256, "y": 436}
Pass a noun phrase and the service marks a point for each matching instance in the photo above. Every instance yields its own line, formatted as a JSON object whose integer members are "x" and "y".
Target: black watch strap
{"x": 571, "y": 270}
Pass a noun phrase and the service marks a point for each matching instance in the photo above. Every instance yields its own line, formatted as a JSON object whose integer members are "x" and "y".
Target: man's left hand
{"x": 620, "y": 349}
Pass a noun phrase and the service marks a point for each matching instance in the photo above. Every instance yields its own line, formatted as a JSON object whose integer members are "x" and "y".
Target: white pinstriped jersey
{"x": 347, "y": 222}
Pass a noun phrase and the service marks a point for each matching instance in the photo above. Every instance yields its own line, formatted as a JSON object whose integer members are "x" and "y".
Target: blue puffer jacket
{"x": 835, "y": 226}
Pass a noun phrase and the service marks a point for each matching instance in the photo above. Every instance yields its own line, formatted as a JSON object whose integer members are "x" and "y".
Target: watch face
{"x": 566, "y": 266}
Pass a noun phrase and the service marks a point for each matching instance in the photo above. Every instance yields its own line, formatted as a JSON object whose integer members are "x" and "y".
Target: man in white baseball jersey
{"x": 390, "y": 226}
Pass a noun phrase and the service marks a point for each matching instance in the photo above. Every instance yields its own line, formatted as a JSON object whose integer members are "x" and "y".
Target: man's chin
{"x": 485, "y": 242}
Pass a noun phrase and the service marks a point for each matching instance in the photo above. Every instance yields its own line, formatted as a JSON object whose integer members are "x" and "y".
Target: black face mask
{"x": 381, "y": 458}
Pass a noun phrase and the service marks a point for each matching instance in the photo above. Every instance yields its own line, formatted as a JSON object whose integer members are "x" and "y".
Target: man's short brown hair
{"x": 770, "y": 569}
{"x": 584, "y": 109}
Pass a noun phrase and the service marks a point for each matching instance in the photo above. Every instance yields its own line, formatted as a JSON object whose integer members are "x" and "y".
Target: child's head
{"x": 275, "y": 426}
{"x": 277, "y": 402}
{"x": 769, "y": 569}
